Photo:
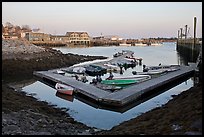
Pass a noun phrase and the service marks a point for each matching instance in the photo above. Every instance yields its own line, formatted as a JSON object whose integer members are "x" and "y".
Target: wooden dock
{"x": 83, "y": 88}
{"x": 123, "y": 96}
{"x": 131, "y": 93}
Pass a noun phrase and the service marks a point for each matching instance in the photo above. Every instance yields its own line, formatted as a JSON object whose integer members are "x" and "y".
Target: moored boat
{"x": 60, "y": 72}
{"x": 168, "y": 68}
{"x": 75, "y": 70}
{"x": 150, "y": 72}
{"x": 113, "y": 68}
{"x": 94, "y": 70}
{"x": 64, "y": 89}
{"x": 119, "y": 82}
{"x": 135, "y": 77}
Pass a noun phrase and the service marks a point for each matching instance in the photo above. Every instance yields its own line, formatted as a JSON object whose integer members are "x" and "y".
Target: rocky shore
{"x": 180, "y": 116}
{"x": 19, "y": 60}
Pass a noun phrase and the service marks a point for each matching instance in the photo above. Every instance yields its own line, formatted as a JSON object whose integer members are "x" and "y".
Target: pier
{"x": 124, "y": 96}
{"x": 189, "y": 47}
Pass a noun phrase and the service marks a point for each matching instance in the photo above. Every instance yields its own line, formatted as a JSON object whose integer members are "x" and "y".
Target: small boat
{"x": 94, "y": 70}
{"x": 118, "y": 54}
{"x": 168, "y": 68}
{"x": 119, "y": 82}
{"x": 60, "y": 72}
{"x": 79, "y": 70}
{"x": 150, "y": 72}
{"x": 113, "y": 68}
{"x": 130, "y": 59}
{"x": 76, "y": 70}
{"x": 64, "y": 89}
{"x": 135, "y": 77}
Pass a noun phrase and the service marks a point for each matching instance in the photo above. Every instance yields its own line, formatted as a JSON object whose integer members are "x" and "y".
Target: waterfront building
{"x": 78, "y": 38}
{"x": 59, "y": 38}
{"x": 33, "y": 36}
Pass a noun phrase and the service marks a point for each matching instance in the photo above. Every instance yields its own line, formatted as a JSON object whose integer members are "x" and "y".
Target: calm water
{"x": 102, "y": 118}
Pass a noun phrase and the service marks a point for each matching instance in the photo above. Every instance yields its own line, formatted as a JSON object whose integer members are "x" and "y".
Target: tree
{"x": 9, "y": 25}
{"x": 25, "y": 27}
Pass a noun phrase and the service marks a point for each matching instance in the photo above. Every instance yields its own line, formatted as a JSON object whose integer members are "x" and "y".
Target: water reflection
{"x": 65, "y": 97}
{"x": 98, "y": 116}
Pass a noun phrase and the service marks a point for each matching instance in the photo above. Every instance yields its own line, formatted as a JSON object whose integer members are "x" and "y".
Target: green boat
{"x": 119, "y": 82}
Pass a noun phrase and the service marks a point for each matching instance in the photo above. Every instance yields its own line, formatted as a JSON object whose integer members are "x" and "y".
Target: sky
{"x": 133, "y": 20}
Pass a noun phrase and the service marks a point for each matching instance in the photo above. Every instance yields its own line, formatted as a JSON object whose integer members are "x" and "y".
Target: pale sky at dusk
{"x": 125, "y": 19}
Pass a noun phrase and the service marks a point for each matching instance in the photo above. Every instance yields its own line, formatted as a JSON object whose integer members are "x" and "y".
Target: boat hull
{"x": 119, "y": 82}
{"x": 67, "y": 92}
{"x": 64, "y": 89}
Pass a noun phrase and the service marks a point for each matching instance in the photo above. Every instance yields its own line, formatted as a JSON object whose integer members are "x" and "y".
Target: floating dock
{"x": 123, "y": 96}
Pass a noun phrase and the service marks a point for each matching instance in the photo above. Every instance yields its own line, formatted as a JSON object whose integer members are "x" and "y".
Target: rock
{"x": 197, "y": 124}
{"x": 192, "y": 133}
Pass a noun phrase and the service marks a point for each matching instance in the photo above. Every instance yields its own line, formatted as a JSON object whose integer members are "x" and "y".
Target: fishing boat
{"x": 119, "y": 82}
{"x": 64, "y": 89}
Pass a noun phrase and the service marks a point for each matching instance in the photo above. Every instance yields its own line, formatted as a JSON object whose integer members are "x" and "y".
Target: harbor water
{"x": 103, "y": 118}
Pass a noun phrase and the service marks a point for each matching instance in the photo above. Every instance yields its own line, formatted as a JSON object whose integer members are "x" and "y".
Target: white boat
{"x": 130, "y": 59}
{"x": 64, "y": 89}
{"x": 112, "y": 68}
{"x": 150, "y": 72}
{"x": 168, "y": 68}
{"x": 60, "y": 72}
{"x": 79, "y": 70}
{"x": 135, "y": 77}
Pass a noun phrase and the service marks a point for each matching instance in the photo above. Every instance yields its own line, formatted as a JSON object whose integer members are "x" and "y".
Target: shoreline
{"x": 35, "y": 117}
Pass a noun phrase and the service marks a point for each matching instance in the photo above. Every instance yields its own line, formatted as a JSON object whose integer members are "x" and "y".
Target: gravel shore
{"x": 180, "y": 116}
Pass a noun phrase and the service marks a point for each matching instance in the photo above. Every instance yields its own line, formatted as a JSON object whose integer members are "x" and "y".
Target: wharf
{"x": 123, "y": 96}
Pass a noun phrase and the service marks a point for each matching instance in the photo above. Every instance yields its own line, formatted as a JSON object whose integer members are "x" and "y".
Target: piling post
{"x": 185, "y": 31}
{"x": 194, "y": 32}
{"x": 181, "y": 33}
{"x": 178, "y": 34}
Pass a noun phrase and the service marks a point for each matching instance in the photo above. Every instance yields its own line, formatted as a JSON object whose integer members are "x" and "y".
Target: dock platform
{"x": 123, "y": 96}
